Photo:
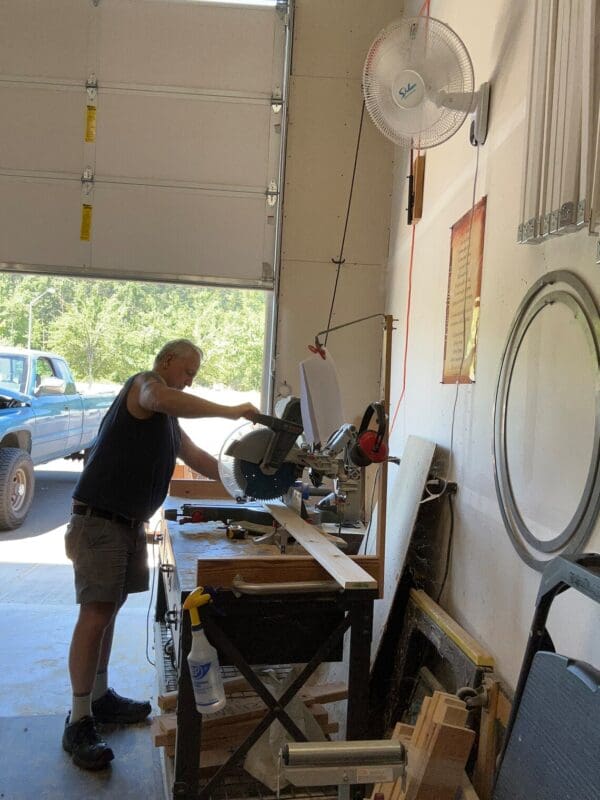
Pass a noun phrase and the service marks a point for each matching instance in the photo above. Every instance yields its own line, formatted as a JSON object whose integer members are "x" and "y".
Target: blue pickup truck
{"x": 42, "y": 417}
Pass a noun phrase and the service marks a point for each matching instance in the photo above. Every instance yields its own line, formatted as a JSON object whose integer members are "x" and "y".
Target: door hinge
{"x": 272, "y": 193}
{"x": 267, "y": 272}
{"x": 283, "y": 9}
{"x": 91, "y": 87}
{"x": 87, "y": 181}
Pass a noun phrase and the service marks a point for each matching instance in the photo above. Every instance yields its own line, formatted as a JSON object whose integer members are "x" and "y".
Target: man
{"x": 123, "y": 483}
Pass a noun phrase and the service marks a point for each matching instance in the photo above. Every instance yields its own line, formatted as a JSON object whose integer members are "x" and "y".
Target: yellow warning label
{"x": 86, "y": 223}
{"x": 90, "y": 124}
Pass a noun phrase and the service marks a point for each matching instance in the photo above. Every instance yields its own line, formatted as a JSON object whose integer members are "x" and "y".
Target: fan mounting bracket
{"x": 479, "y": 124}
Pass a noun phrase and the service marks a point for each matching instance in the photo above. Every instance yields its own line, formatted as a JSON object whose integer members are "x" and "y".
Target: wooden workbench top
{"x": 199, "y": 548}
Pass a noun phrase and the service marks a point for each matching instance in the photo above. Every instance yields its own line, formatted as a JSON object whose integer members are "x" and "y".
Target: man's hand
{"x": 246, "y": 410}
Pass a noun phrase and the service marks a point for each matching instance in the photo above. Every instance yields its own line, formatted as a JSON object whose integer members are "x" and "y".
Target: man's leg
{"x": 87, "y": 651}
{"x": 107, "y": 705}
{"x": 80, "y": 738}
{"x": 101, "y": 678}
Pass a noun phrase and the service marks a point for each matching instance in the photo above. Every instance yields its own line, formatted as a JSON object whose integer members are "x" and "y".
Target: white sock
{"x": 81, "y": 706}
{"x": 101, "y": 685}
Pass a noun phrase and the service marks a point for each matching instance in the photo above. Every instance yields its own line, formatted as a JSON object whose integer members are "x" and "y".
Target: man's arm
{"x": 150, "y": 394}
{"x": 197, "y": 458}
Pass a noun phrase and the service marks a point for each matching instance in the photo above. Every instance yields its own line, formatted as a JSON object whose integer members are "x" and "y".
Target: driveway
{"x": 38, "y": 611}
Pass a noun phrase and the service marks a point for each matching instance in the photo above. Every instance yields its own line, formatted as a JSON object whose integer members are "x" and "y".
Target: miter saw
{"x": 265, "y": 462}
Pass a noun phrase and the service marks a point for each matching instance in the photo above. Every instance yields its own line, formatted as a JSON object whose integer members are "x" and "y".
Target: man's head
{"x": 178, "y": 362}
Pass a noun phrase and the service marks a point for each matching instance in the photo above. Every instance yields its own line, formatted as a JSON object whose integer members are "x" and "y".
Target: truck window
{"x": 44, "y": 369}
{"x": 63, "y": 372}
{"x": 13, "y": 373}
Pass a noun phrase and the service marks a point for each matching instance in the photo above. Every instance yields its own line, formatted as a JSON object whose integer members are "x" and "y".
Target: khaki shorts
{"x": 110, "y": 559}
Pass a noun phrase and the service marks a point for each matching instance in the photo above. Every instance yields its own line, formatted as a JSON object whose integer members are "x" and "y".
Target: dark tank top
{"x": 131, "y": 462}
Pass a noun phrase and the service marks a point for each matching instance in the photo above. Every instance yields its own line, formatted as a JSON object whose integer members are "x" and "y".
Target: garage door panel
{"x": 233, "y": 51}
{"x": 183, "y": 232}
{"x": 42, "y": 128}
{"x": 181, "y": 150}
{"x": 40, "y": 38}
{"x": 183, "y": 138}
{"x": 41, "y": 223}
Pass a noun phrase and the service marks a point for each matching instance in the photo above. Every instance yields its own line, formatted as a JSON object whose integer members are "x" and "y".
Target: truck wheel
{"x": 16, "y": 487}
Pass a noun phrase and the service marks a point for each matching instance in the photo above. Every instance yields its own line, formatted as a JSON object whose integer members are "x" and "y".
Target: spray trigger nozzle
{"x": 199, "y": 597}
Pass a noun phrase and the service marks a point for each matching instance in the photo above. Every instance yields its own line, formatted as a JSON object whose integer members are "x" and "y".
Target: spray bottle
{"x": 203, "y": 661}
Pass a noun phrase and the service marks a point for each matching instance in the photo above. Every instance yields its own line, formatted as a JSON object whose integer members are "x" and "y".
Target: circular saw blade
{"x": 261, "y": 486}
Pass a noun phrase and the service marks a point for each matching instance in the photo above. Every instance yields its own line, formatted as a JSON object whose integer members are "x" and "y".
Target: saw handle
{"x": 277, "y": 424}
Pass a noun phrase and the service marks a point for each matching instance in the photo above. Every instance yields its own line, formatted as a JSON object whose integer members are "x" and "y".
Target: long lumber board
{"x": 346, "y": 572}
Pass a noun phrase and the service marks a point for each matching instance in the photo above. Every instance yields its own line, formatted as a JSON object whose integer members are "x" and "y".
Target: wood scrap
{"x": 437, "y": 751}
{"x": 493, "y": 715}
{"x": 222, "y": 730}
{"x": 317, "y": 693}
{"x": 401, "y": 733}
{"x": 167, "y": 701}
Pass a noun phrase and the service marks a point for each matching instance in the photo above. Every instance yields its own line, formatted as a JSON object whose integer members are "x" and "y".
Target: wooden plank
{"x": 310, "y": 695}
{"x": 407, "y": 490}
{"x": 467, "y": 792}
{"x": 211, "y": 760}
{"x": 198, "y": 489}
{"x": 469, "y": 645}
{"x": 443, "y": 769}
{"x": 227, "y": 732}
{"x": 485, "y": 766}
{"x": 346, "y": 572}
{"x": 422, "y": 720}
{"x": 503, "y": 709}
{"x": 323, "y": 693}
{"x": 403, "y": 733}
{"x": 451, "y": 710}
{"x": 386, "y": 788}
{"x": 418, "y": 186}
{"x": 167, "y": 701}
{"x": 220, "y": 572}
{"x": 160, "y": 737}
{"x": 315, "y": 693}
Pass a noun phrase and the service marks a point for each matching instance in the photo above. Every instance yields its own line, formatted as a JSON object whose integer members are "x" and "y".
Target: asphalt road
{"x": 54, "y": 484}
{"x": 38, "y": 610}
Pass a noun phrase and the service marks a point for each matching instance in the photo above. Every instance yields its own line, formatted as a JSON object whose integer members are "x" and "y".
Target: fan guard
{"x": 418, "y": 82}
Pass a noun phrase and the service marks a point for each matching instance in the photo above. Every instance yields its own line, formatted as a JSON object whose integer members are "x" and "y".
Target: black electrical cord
{"x": 150, "y": 600}
{"x": 339, "y": 261}
{"x": 448, "y": 549}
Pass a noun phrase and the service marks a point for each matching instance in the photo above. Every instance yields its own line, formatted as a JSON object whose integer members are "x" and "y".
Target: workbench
{"x": 299, "y": 627}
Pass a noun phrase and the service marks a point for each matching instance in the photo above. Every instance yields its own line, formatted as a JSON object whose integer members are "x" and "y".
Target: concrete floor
{"x": 37, "y": 614}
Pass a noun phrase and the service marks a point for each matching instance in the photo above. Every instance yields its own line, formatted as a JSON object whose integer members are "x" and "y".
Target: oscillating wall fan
{"x": 418, "y": 84}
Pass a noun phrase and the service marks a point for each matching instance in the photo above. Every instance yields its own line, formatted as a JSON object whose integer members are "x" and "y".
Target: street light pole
{"x": 31, "y": 305}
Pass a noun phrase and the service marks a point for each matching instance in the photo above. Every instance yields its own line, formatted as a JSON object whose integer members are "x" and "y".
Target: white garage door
{"x": 169, "y": 169}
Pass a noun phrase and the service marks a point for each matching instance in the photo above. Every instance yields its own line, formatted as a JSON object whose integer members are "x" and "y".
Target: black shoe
{"x": 81, "y": 740}
{"x": 111, "y": 707}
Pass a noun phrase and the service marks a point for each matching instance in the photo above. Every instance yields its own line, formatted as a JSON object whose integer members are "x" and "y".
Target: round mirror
{"x": 546, "y": 433}
{"x": 550, "y": 419}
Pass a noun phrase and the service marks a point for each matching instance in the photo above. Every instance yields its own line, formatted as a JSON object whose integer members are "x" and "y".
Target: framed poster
{"x": 464, "y": 291}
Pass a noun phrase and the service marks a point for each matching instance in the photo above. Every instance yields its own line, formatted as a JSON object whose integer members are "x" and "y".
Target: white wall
{"x": 331, "y": 40}
{"x": 490, "y": 590}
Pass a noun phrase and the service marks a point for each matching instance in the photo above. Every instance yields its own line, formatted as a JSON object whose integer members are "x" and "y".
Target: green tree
{"x": 109, "y": 329}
